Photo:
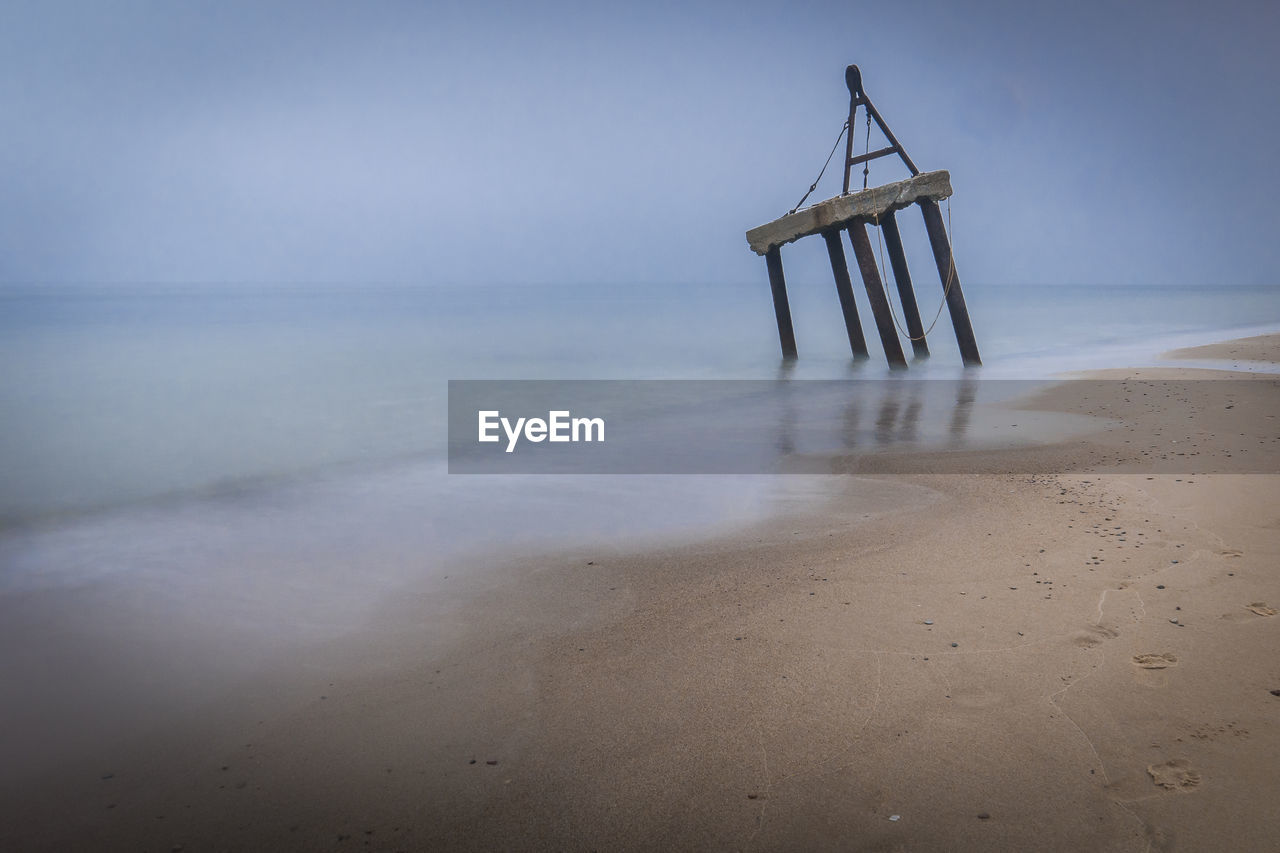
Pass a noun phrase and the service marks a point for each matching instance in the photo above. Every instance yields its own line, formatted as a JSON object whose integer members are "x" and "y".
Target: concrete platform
{"x": 842, "y": 210}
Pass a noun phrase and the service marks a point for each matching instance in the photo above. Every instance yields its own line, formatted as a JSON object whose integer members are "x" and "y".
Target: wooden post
{"x": 844, "y": 287}
{"x": 875, "y": 294}
{"x": 947, "y": 271}
{"x": 906, "y": 294}
{"x": 786, "y": 335}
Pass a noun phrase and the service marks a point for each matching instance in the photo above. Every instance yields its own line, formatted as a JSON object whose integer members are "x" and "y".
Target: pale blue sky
{"x": 623, "y": 143}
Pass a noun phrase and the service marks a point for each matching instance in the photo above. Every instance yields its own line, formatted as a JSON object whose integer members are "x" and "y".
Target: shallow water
{"x": 196, "y": 427}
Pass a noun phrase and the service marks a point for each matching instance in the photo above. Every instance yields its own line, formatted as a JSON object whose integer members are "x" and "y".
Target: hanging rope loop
{"x": 946, "y": 287}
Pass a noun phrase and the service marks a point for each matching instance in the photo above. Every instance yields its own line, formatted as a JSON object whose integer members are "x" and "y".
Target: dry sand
{"x": 1038, "y": 661}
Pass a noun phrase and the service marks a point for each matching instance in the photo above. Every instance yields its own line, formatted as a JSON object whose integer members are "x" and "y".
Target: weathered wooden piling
{"x": 950, "y": 282}
{"x": 778, "y": 283}
{"x": 844, "y": 287}
{"x": 875, "y": 294}
{"x": 901, "y": 275}
{"x": 852, "y": 212}
{"x": 833, "y": 216}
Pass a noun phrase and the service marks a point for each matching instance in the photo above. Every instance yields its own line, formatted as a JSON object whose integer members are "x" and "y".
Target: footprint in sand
{"x": 1161, "y": 661}
{"x": 1231, "y": 552}
{"x": 1260, "y": 608}
{"x": 1094, "y": 635}
{"x": 1175, "y": 775}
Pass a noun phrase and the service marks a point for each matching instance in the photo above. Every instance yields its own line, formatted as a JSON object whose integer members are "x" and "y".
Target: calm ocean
{"x": 177, "y": 429}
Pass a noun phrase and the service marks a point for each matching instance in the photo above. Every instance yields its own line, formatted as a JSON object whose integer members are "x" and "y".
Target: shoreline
{"x": 791, "y": 685}
{"x": 1254, "y": 348}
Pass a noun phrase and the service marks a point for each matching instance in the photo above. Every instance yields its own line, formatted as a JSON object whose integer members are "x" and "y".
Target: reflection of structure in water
{"x": 901, "y": 413}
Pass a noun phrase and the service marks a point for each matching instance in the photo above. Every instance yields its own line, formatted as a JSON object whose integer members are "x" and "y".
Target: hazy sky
{"x": 623, "y": 143}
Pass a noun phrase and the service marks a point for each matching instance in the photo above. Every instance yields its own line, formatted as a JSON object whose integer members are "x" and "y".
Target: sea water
{"x": 177, "y": 431}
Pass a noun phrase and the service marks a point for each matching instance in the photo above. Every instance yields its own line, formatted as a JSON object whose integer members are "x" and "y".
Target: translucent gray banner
{"x": 851, "y": 426}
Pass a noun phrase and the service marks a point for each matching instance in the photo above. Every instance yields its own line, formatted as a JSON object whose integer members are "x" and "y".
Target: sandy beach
{"x": 1256, "y": 348}
{"x": 1077, "y": 657}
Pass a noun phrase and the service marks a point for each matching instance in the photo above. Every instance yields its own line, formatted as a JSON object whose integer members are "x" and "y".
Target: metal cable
{"x": 866, "y": 164}
{"x": 814, "y": 185}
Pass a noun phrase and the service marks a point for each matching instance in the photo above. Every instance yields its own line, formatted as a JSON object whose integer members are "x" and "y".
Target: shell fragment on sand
{"x": 845, "y": 209}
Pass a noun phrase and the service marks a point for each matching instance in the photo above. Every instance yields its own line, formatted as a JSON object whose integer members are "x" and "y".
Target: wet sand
{"x": 1037, "y": 661}
{"x": 1256, "y": 348}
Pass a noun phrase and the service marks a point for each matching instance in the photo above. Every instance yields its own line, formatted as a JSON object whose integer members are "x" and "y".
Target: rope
{"x": 946, "y": 288}
{"x": 814, "y": 185}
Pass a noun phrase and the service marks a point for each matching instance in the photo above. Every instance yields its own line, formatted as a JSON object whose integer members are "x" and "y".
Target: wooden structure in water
{"x": 851, "y": 213}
